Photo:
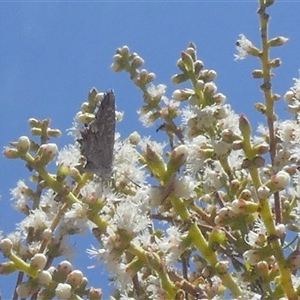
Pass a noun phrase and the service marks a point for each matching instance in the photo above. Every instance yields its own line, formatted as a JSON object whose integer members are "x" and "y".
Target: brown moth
{"x": 97, "y": 140}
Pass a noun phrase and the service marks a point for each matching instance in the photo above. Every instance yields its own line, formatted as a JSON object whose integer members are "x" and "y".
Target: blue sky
{"x": 53, "y": 53}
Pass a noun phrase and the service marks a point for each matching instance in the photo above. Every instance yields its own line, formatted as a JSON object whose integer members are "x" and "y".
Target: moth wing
{"x": 97, "y": 143}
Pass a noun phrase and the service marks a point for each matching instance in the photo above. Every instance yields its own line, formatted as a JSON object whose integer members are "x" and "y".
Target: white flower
{"x": 69, "y": 156}
{"x": 157, "y": 91}
{"x": 184, "y": 187}
{"x": 243, "y": 46}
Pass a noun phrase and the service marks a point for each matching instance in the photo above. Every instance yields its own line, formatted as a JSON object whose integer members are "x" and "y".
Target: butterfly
{"x": 97, "y": 140}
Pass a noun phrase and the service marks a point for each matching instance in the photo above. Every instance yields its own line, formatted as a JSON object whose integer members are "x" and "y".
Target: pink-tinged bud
{"x": 278, "y": 41}
{"x": 47, "y": 152}
{"x": 225, "y": 216}
{"x": 44, "y": 277}
{"x": 23, "y": 144}
{"x": 245, "y": 127}
{"x": 281, "y": 180}
{"x": 63, "y": 291}
{"x": 95, "y": 294}
{"x": 263, "y": 192}
{"x": 75, "y": 278}
{"x": 11, "y": 153}
{"x": 6, "y": 246}
{"x": 65, "y": 267}
{"x": 245, "y": 194}
{"x": 38, "y": 261}
{"x": 241, "y": 206}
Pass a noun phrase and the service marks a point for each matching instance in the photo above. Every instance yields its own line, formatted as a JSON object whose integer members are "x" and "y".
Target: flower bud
{"x": 179, "y": 78}
{"x": 188, "y": 61}
{"x": 275, "y": 63}
{"x": 44, "y": 277}
{"x": 280, "y": 180}
{"x": 181, "y": 95}
{"x": 38, "y": 261}
{"x": 278, "y": 41}
{"x": 245, "y": 127}
{"x": 151, "y": 77}
{"x": 95, "y": 294}
{"x": 124, "y": 51}
{"x": 23, "y": 144}
{"x": 177, "y": 159}
{"x": 6, "y": 246}
{"x": 75, "y": 278}
{"x": 53, "y": 133}
{"x": 34, "y": 122}
{"x": 222, "y": 267}
{"x": 134, "y": 138}
{"x": 263, "y": 192}
{"x": 257, "y": 74}
{"x": 137, "y": 62}
{"x": 63, "y": 291}
{"x": 10, "y": 153}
